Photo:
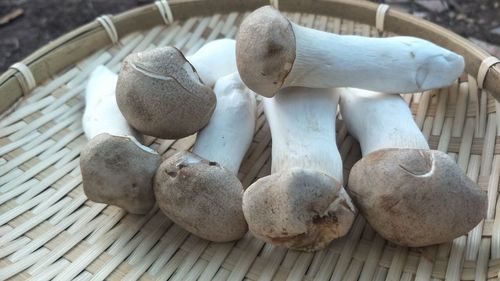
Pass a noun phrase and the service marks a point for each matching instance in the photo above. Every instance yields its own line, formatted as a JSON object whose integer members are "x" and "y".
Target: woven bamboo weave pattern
{"x": 49, "y": 230}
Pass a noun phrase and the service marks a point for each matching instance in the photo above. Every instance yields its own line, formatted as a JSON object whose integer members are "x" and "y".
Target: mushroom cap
{"x": 116, "y": 171}
{"x": 416, "y": 197}
{"x": 299, "y": 208}
{"x": 160, "y": 94}
{"x": 201, "y": 196}
{"x": 265, "y": 50}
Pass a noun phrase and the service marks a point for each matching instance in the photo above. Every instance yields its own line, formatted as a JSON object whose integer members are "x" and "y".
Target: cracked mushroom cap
{"x": 160, "y": 94}
{"x": 265, "y": 50}
{"x": 119, "y": 171}
{"x": 300, "y": 209}
{"x": 416, "y": 197}
{"x": 201, "y": 196}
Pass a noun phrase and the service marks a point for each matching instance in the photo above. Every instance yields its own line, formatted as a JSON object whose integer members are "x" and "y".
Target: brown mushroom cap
{"x": 416, "y": 197}
{"x": 116, "y": 171}
{"x": 201, "y": 196}
{"x": 300, "y": 209}
{"x": 160, "y": 94}
{"x": 265, "y": 50}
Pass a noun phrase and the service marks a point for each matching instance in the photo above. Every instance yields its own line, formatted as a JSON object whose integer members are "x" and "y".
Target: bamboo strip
{"x": 353, "y": 271}
{"x": 117, "y": 259}
{"x": 47, "y": 236}
{"x": 131, "y": 230}
{"x": 276, "y": 256}
{"x": 4, "y": 197}
{"x": 176, "y": 237}
{"x": 32, "y": 222}
{"x": 190, "y": 260}
{"x": 87, "y": 217}
{"x": 493, "y": 188}
{"x": 440, "y": 112}
{"x": 300, "y": 267}
{"x": 315, "y": 264}
{"x": 454, "y": 269}
{"x": 104, "y": 228}
{"x": 458, "y": 123}
{"x": 42, "y": 185}
{"x": 52, "y": 131}
{"x": 482, "y": 262}
{"x": 245, "y": 261}
{"x": 397, "y": 264}
{"x": 221, "y": 252}
{"x": 488, "y": 150}
{"x": 59, "y": 101}
{"x": 88, "y": 256}
{"x": 348, "y": 249}
{"x": 76, "y": 203}
{"x": 37, "y": 124}
{"x": 159, "y": 228}
{"x": 423, "y": 105}
{"x": 26, "y": 110}
{"x": 15, "y": 268}
{"x": 20, "y": 209}
{"x": 425, "y": 264}
{"x": 51, "y": 271}
{"x": 14, "y": 246}
{"x": 13, "y": 163}
{"x": 372, "y": 259}
{"x": 474, "y": 236}
{"x": 157, "y": 251}
{"x": 171, "y": 266}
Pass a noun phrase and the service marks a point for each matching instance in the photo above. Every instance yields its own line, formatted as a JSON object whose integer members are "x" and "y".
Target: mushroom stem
{"x": 273, "y": 53}
{"x": 302, "y": 204}
{"x": 229, "y": 132}
{"x": 379, "y": 120}
{"x": 410, "y": 195}
{"x": 302, "y": 123}
{"x": 200, "y": 191}
{"x": 222, "y": 53}
{"x": 101, "y": 113}
{"x": 116, "y": 168}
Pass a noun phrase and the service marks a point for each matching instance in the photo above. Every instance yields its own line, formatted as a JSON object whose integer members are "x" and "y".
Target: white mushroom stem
{"x": 101, "y": 113}
{"x": 395, "y": 64}
{"x": 229, "y": 133}
{"x": 379, "y": 120}
{"x": 274, "y": 53}
{"x": 302, "y": 204}
{"x": 302, "y": 123}
{"x": 220, "y": 53}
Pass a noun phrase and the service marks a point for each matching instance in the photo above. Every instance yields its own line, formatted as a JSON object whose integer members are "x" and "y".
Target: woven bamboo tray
{"x": 48, "y": 229}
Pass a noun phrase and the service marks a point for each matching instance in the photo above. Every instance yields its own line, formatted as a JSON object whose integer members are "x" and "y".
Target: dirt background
{"x": 26, "y": 25}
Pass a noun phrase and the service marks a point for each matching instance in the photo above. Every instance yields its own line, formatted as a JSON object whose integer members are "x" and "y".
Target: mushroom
{"x": 274, "y": 53}
{"x": 200, "y": 190}
{"x": 302, "y": 204}
{"x": 410, "y": 195}
{"x": 160, "y": 93}
{"x": 116, "y": 169}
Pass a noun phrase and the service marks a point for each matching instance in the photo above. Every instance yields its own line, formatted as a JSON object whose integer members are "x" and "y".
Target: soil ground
{"x": 43, "y": 20}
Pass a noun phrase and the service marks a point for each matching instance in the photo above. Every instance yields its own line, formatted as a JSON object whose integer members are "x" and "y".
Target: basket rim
{"x": 77, "y": 44}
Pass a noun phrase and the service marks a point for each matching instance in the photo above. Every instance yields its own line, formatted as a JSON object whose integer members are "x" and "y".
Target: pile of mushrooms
{"x": 410, "y": 195}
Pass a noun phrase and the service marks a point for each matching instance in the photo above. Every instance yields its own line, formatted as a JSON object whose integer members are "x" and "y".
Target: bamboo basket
{"x": 49, "y": 230}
